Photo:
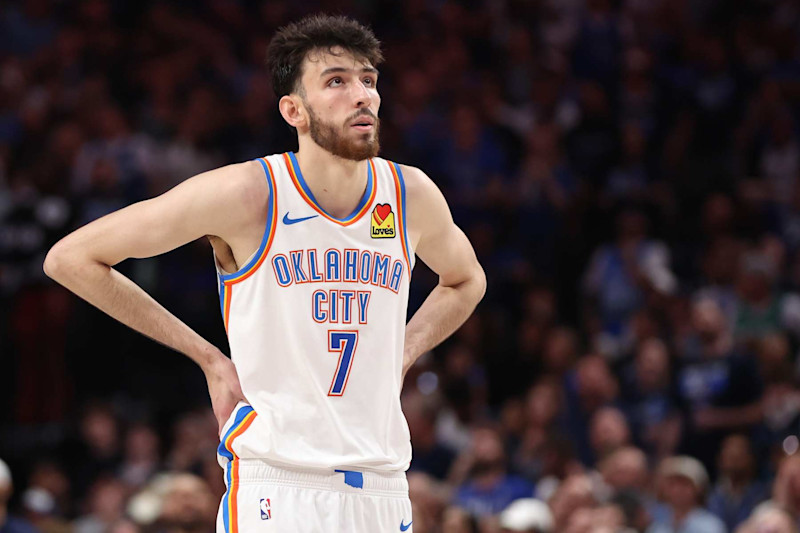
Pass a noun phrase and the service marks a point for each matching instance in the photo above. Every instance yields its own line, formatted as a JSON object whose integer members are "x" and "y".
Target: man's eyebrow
{"x": 333, "y": 70}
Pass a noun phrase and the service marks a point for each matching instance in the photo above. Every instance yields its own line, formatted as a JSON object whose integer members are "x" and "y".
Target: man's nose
{"x": 361, "y": 95}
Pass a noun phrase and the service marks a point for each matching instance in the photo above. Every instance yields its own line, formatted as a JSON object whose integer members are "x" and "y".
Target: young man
{"x": 314, "y": 252}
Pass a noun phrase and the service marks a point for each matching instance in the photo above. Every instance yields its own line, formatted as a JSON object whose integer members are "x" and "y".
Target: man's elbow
{"x": 60, "y": 260}
{"x": 54, "y": 261}
{"x": 480, "y": 283}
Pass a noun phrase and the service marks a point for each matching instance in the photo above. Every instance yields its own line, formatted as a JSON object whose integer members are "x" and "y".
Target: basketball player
{"x": 314, "y": 252}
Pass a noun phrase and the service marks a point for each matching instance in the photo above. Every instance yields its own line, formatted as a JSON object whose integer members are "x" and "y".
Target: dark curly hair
{"x": 294, "y": 41}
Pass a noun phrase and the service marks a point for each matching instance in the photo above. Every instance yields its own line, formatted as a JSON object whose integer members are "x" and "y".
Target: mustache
{"x": 362, "y": 112}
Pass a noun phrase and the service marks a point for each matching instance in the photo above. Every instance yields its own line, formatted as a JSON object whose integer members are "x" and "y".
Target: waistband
{"x": 392, "y": 484}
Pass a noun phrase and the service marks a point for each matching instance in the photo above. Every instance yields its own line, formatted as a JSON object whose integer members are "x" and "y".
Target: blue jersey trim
{"x": 222, "y": 450}
{"x": 222, "y": 297}
{"x": 307, "y": 190}
{"x": 403, "y": 207}
{"x": 267, "y": 230}
{"x": 240, "y": 415}
{"x": 225, "y": 518}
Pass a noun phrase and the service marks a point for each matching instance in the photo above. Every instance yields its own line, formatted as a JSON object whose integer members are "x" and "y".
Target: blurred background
{"x": 627, "y": 171}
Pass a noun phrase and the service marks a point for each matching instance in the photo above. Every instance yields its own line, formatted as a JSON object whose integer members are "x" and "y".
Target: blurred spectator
{"x": 769, "y": 519}
{"x": 116, "y": 150}
{"x": 188, "y": 505}
{"x": 608, "y": 432}
{"x": 762, "y": 309}
{"x": 781, "y": 395}
{"x": 141, "y": 458}
{"x": 683, "y": 483}
{"x": 543, "y": 418}
{"x": 737, "y": 491}
{"x": 558, "y": 462}
{"x": 605, "y": 518}
{"x": 8, "y": 522}
{"x": 626, "y": 473}
{"x": 577, "y": 492}
{"x": 590, "y": 386}
{"x": 720, "y": 386}
{"x": 429, "y": 499}
{"x": 98, "y": 451}
{"x": 194, "y": 435}
{"x": 620, "y": 276}
{"x": 106, "y": 504}
{"x": 545, "y": 188}
{"x": 721, "y": 257}
{"x": 484, "y": 485}
{"x": 527, "y": 515}
{"x": 626, "y": 469}
{"x": 786, "y": 488}
{"x": 597, "y": 49}
{"x": 560, "y": 351}
{"x": 472, "y": 154}
{"x": 593, "y": 144}
{"x": 46, "y": 501}
{"x": 650, "y": 401}
{"x": 430, "y": 456}
{"x": 124, "y": 526}
{"x": 780, "y": 158}
{"x": 634, "y": 509}
{"x": 630, "y": 180}
{"x": 457, "y": 520}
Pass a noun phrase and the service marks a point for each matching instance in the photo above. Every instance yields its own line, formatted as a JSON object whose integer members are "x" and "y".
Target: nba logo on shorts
{"x": 266, "y": 511}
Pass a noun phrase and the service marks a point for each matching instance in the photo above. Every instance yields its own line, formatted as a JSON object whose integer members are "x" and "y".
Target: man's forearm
{"x": 119, "y": 297}
{"x": 442, "y": 312}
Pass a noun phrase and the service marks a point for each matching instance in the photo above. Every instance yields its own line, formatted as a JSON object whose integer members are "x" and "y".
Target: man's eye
{"x": 335, "y": 82}
{"x": 369, "y": 81}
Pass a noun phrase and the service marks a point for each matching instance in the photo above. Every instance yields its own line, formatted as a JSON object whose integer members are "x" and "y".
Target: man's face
{"x": 339, "y": 92}
{"x": 680, "y": 491}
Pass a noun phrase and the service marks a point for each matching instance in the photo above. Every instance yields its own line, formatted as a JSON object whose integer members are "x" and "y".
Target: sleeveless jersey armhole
{"x": 227, "y": 281}
{"x": 400, "y": 190}
{"x": 255, "y": 260}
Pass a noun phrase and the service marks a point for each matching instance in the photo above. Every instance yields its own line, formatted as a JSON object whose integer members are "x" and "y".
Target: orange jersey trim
{"x": 353, "y": 218}
{"x": 401, "y": 213}
{"x": 233, "y": 488}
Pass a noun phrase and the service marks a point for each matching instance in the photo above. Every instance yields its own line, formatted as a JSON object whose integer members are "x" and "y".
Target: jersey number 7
{"x": 344, "y": 343}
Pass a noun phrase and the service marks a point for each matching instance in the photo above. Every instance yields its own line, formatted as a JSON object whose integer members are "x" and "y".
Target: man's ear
{"x": 293, "y": 111}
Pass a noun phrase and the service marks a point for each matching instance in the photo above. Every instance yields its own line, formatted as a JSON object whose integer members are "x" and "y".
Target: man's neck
{"x": 680, "y": 514}
{"x": 337, "y": 184}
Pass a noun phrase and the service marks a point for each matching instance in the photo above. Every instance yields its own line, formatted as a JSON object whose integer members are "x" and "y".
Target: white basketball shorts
{"x": 266, "y": 498}
{"x": 261, "y": 497}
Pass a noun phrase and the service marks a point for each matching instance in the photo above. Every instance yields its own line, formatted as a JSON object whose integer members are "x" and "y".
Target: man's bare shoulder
{"x": 421, "y": 192}
{"x": 426, "y": 206}
{"x": 418, "y": 184}
{"x": 240, "y": 186}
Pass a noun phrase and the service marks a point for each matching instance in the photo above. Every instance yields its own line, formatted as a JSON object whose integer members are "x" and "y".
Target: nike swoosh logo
{"x": 404, "y": 527}
{"x": 289, "y": 221}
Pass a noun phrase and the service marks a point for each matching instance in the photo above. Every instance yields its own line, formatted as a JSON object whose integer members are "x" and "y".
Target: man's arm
{"x": 447, "y": 251}
{"x": 227, "y": 202}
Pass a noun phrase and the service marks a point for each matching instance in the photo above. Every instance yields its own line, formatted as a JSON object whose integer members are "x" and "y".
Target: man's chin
{"x": 356, "y": 151}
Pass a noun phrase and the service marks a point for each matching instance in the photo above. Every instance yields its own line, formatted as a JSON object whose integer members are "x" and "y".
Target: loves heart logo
{"x": 380, "y": 213}
{"x": 382, "y": 226}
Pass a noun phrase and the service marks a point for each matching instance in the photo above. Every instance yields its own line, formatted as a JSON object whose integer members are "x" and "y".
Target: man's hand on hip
{"x": 224, "y": 388}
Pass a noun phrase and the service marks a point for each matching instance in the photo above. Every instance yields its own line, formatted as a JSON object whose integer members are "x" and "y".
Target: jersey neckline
{"x": 305, "y": 191}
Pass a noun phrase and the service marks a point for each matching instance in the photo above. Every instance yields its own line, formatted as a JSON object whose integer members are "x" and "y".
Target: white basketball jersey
{"x": 316, "y": 325}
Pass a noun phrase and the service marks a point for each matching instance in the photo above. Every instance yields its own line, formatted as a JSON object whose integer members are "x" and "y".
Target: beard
{"x": 332, "y": 139}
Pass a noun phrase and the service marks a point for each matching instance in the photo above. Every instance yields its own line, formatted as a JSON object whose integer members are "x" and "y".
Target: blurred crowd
{"x": 627, "y": 171}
